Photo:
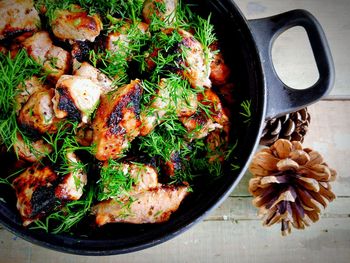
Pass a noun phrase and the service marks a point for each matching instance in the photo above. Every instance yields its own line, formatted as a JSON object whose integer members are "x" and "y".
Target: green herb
{"x": 67, "y": 216}
{"x": 246, "y": 110}
{"x": 114, "y": 181}
{"x": 8, "y": 178}
{"x": 13, "y": 73}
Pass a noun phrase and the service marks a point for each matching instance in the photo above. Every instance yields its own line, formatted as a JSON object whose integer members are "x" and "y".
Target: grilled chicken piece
{"x": 88, "y": 71}
{"x": 192, "y": 64}
{"x": 76, "y": 98}
{"x": 168, "y": 100}
{"x": 117, "y": 121}
{"x": 38, "y": 190}
{"x": 35, "y": 190}
{"x": 80, "y": 50}
{"x": 33, "y": 152}
{"x": 72, "y": 184}
{"x": 145, "y": 177}
{"x": 174, "y": 164}
{"x": 76, "y": 25}
{"x": 17, "y": 17}
{"x": 119, "y": 40}
{"x": 219, "y": 72}
{"x": 37, "y": 115}
{"x": 212, "y": 101}
{"x": 152, "y": 206}
{"x": 217, "y": 142}
{"x": 54, "y": 59}
{"x": 197, "y": 69}
{"x": 162, "y": 9}
{"x": 26, "y": 89}
{"x": 84, "y": 135}
{"x": 201, "y": 123}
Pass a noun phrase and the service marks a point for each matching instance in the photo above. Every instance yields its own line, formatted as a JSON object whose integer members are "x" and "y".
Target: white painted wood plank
{"x": 334, "y": 18}
{"x": 213, "y": 241}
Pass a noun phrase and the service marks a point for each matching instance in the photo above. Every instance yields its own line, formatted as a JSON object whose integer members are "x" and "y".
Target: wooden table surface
{"x": 233, "y": 233}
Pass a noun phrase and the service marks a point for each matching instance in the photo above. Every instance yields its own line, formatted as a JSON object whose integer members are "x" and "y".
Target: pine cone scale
{"x": 293, "y": 127}
{"x": 290, "y": 185}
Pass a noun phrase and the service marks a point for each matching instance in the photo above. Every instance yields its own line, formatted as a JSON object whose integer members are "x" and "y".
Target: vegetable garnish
{"x": 141, "y": 73}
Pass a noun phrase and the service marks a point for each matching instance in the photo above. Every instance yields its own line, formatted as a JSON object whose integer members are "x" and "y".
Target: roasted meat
{"x": 76, "y": 25}
{"x": 152, "y": 206}
{"x": 28, "y": 88}
{"x": 88, "y": 71}
{"x": 168, "y": 100}
{"x": 205, "y": 121}
{"x": 219, "y": 71}
{"x": 72, "y": 184}
{"x": 37, "y": 115}
{"x": 33, "y": 152}
{"x": 17, "y": 17}
{"x": 144, "y": 177}
{"x": 40, "y": 189}
{"x": 117, "y": 121}
{"x": 120, "y": 38}
{"x": 35, "y": 190}
{"x": 162, "y": 9}
{"x": 76, "y": 98}
{"x": 56, "y": 61}
{"x": 84, "y": 135}
{"x": 191, "y": 63}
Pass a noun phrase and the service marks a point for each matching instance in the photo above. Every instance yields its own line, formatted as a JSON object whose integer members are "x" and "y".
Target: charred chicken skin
{"x": 117, "y": 121}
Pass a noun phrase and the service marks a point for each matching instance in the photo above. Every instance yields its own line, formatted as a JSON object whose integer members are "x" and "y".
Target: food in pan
{"x": 110, "y": 107}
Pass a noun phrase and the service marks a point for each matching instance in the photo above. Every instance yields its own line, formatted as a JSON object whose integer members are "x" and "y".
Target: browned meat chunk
{"x": 37, "y": 115}
{"x": 76, "y": 98}
{"x": 117, "y": 121}
{"x": 33, "y": 153}
{"x": 162, "y": 9}
{"x": 217, "y": 142}
{"x": 54, "y": 59}
{"x": 17, "y": 17}
{"x": 168, "y": 100}
{"x": 192, "y": 64}
{"x": 27, "y": 89}
{"x": 88, "y": 71}
{"x": 203, "y": 122}
{"x": 76, "y": 25}
{"x": 84, "y": 135}
{"x": 72, "y": 184}
{"x": 152, "y": 206}
{"x": 142, "y": 176}
{"x": 219, "y": 72}
{"x": 39, "y": 189}
{"x": 35, "y": 190}
{"x": 119, "y": 40}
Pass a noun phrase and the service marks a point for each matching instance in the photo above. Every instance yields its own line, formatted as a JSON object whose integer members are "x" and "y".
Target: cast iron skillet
{"x": 247, "y": 48}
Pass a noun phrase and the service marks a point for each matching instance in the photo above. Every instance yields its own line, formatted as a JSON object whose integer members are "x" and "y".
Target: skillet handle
{"x": 282, "y": 99}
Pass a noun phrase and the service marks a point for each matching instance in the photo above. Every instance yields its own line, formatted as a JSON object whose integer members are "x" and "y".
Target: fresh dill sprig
{"x": 8, "y": 178}
{"x": 67, "y": 216}
{"x": 14, "y": 71}
{"x": 114, "y": 181}
{"x": 246, "y": 110}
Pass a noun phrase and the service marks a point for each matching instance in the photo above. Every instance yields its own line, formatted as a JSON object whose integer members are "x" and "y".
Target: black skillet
{"x": 247, "y": 48}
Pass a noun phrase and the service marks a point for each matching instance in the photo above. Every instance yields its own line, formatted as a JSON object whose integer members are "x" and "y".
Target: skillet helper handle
{"x": 282, "y": 99}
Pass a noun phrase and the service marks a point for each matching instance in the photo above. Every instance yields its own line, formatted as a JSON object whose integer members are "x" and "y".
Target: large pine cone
{"x": 290, "y": 185}
{"x": 292, "y": 127}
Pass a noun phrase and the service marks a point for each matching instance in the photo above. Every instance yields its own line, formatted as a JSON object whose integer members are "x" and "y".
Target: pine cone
{"x": 290, "y": 184}
{"x": 292, "y": 127}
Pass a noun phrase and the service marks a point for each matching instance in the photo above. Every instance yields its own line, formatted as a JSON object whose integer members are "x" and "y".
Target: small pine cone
{"x": 292, "y": 127}
{"x": 290, "y": 185}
